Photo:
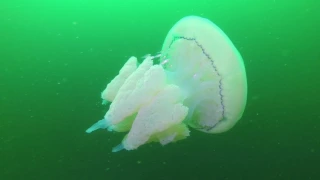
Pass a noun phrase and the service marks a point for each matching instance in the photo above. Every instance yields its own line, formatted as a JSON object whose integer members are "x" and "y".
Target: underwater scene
{"x": 161, "y": 90}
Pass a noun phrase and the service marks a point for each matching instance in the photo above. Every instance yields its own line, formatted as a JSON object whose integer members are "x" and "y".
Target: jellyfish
{"x": 198, "y": 81}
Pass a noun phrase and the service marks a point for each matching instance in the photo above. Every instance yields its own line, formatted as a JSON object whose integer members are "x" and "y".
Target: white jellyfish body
{"x": 200, "y": 82}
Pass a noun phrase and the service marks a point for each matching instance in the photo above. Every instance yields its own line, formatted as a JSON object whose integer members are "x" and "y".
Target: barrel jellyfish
{"x": 198, "y": 81}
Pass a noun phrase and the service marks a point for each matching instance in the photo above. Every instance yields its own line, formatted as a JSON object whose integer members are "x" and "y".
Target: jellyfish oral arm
{"x": 113, "y": 87}
{"x": 161, "y": 120}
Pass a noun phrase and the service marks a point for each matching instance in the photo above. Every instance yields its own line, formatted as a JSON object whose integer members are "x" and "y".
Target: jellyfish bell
{"x": 197, "y": 47}
{"x": 199, "y": 82}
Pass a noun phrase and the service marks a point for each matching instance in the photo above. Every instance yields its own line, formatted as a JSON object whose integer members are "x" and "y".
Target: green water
{"x": 57, "y": 56}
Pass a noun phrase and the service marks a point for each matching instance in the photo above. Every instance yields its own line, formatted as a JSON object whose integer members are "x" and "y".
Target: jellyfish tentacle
{"x": 118, "y": 148}
{"x": 101, "y": 124}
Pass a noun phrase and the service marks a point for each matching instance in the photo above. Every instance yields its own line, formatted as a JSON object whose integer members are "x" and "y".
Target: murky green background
{"x": 57, "y": 56}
